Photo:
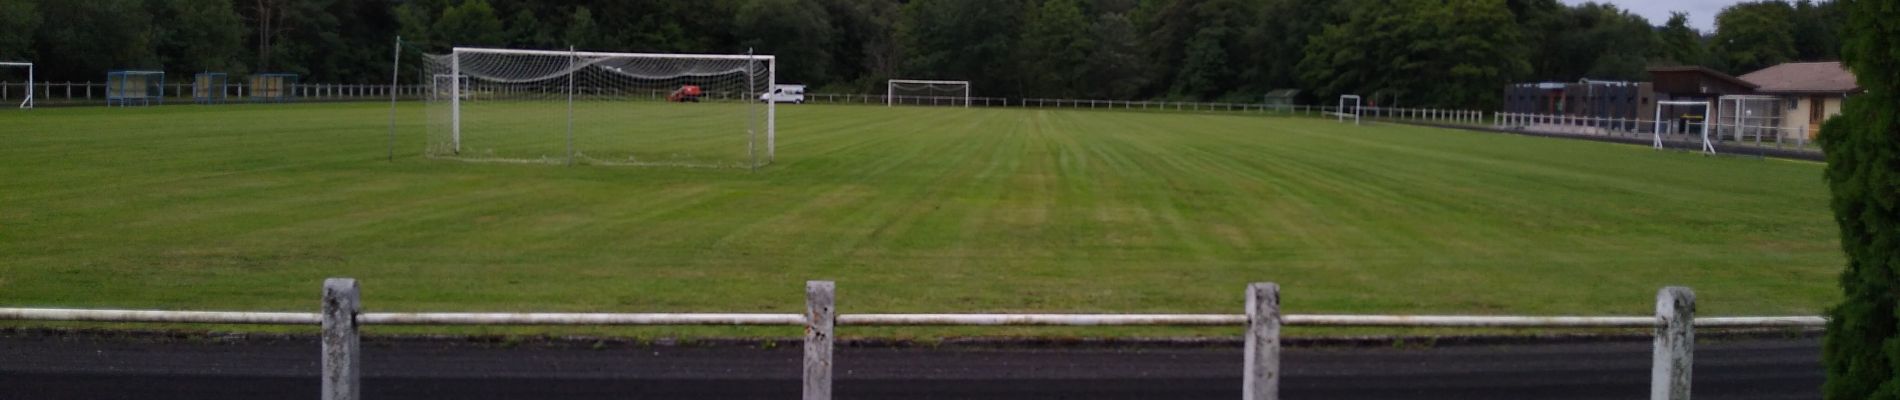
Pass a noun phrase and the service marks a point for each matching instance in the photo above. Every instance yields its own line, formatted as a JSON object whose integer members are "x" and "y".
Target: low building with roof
{"x": 1810, "y": 92}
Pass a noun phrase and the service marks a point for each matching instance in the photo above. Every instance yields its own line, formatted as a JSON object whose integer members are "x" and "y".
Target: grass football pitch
{"x": 909, "y": 209}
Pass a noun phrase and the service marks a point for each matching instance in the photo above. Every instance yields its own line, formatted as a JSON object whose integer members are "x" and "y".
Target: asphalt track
{"x": 86, "y": 367}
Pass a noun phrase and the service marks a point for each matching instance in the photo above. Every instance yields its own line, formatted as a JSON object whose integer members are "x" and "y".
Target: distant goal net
{"x": 592, "y": 108}
{"x": 927, "y": 93}
{"x": 1686, "y": 119}
{"x": 1349, "y": 108}
{"x": 17, "y": 71}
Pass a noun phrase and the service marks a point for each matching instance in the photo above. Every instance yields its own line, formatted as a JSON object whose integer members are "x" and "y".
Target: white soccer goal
{"x": 695, "y": 110}
{"x": 928, "y": 93}
{"x": 1349, "y": 107}
{"x": 1662, "y": 125}
{"x": 27, "y": 102}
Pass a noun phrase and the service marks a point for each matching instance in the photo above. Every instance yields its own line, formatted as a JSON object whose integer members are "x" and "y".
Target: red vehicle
{"x": 688, "y": 93}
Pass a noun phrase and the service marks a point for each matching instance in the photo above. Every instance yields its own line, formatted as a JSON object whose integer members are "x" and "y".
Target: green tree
{"x": 1450, "y": 53}
{"x": 1056, "y": 43}
{"x": 1679, "y": 44}
{"x": 962, "y": 40}
{"x": 1280, "y": 41}
{"x": 797, "y": 31}
{"x": 581, "y": 31}
{"x": 89, "y": 38}
{"x": 473, "y": 23}
{"x": 333, "y": 40}
{"x": 863, "y": 51}
{"x": 1755, "y": 35}
{"x": 1862, "y": 348}
{"x": 198, "y": 35}
{"x": 22, "y": 19}
{"x": 1599, "y": 41}
{"x": 1545, "y": 22}
{"x": 1817, "y": 30}
{"x": 1117, "y": 70}
{"x": 1195, "y": 45}
{"x": 526, "y": 30}
{"x": 272, "y": 20}
{"x": 667, "y": 26}
{"x": 1204, "y": 73}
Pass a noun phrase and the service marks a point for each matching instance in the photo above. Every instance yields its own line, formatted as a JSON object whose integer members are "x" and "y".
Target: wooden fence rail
{"x": 341, "y": 316}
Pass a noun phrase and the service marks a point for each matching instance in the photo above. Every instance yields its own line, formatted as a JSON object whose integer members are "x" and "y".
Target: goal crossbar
{"x": 25, "y": 104}
{"x": 674, "y": 56}
{"x": 930, "y": 82}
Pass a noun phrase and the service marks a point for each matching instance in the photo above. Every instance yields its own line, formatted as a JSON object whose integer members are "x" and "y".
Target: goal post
{"x": 27, "y": 102}
{"x": 602, "y": 108}
{"x": 926, "y": 92}
{"x": 1349, "y": 106}
{"x": 1707, "y": 146}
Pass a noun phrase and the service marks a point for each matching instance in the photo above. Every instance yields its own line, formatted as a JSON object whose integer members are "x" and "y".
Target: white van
{"x": 785, "y": 94}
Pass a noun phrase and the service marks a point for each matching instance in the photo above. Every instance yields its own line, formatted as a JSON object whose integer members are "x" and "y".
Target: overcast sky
{"x": 1701, "y": 12}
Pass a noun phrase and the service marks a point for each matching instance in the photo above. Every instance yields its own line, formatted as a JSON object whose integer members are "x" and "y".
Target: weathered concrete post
{"x": 1675, "y": 344}
{"x": 820, "y": 317}
{"x": 341, "y": 366}
{"x": 1262, "y": 378}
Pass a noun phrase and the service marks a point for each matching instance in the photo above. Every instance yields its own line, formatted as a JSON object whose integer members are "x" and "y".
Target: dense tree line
{"x": 1406, "y": 52}
{"x": 1862, "y": 348}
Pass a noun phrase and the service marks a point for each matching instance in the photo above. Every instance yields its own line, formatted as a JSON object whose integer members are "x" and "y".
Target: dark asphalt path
{"x": 40, "y": 367}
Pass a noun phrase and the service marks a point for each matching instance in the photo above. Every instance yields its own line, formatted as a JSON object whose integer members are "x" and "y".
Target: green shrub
{"x": 1862, "y": 351}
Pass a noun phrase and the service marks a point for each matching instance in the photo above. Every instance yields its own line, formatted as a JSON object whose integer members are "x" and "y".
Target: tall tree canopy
{"x": 779, "y": 27}
{"x": 1419, "y": 53}
{"x": 1056, "y": 46}
{"x": 1752, "y": 36}
{"x": 962, "y": 40}
{"x": 1679, "y": 44}
{"x": 1862, "y": 350}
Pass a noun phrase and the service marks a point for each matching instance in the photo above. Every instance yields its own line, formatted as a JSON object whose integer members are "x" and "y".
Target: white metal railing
{"x": 72, "y": 93}
{"x": 1689, "y": 132}
{"x": 341, "y": 315}
{"x": 1424, "y": 115}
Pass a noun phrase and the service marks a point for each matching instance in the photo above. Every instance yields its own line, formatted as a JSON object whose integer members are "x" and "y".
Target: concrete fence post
{"x": 1262, "y": 378}
{"x": 341, "y": 365}
{"x": 1675, "y": 344}
{"x": 820, "y": 318}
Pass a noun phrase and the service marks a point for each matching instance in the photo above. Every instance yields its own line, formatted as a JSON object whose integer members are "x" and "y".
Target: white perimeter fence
{"x": 1675, "y": 134}
{"x": 81, "y": 93}
{"x": 1686, "y": 133}
{"x": 342, "y": 315}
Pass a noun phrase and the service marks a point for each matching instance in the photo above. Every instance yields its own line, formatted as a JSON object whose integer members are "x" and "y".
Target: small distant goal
{"x": 1349, "y": 107}
{"x": 927, "y": 93}
{"x": 26, "y": 103}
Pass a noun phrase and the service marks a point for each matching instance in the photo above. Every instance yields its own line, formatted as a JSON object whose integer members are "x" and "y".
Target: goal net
{"x": 441, "y": 86}
{"x": 1688, "y": 119}
{"x": 567, "y": 107}
{"x": 927, "y": 93}
{"x": 16, "y": 82}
